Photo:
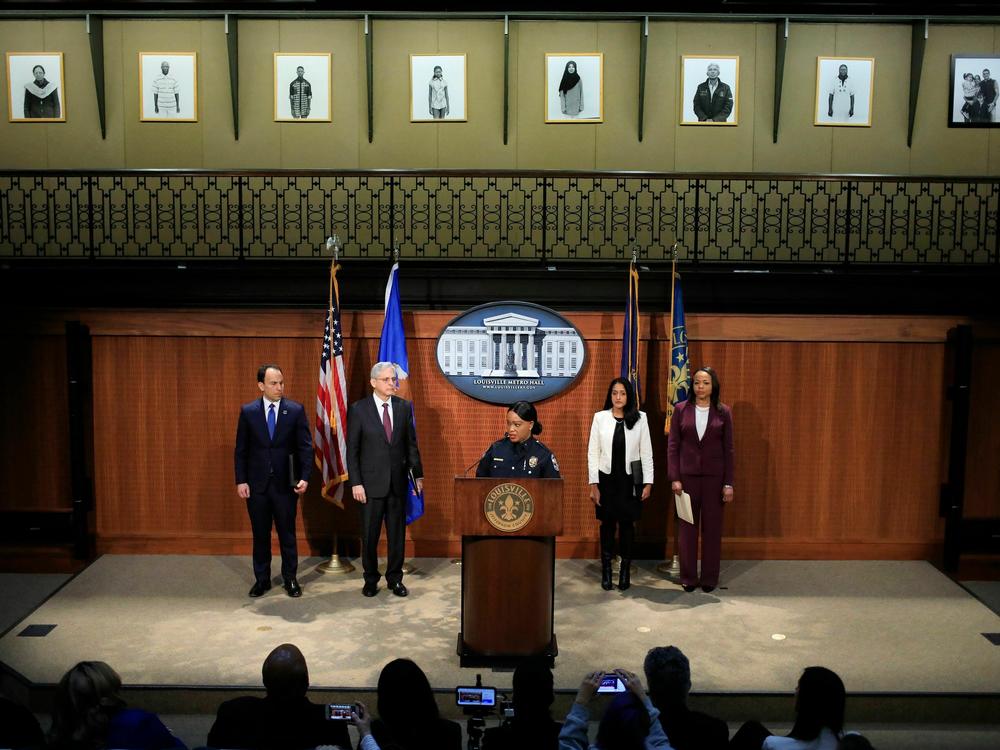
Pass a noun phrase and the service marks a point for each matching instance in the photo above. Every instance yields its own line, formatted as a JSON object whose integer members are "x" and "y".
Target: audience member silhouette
{"x": 88, "y": 713}
{"x": 532, "y": 727}
{"x": 819, "y": 717}
{"x": 408, "y": 717}
{"x": 668, "y": 675}
{"x": 630, "y": 722}
{"x": 283, "y": 720}
{"x": 18, "y": 726}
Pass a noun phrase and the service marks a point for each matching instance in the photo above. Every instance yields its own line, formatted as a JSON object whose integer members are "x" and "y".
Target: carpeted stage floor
{"x": 885, "y": 627}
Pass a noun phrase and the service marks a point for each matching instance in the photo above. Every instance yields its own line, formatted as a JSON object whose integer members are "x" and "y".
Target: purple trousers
{"x": 706, "y": 503}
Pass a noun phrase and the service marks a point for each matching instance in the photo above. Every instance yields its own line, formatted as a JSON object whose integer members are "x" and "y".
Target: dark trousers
{"x": 626, "y": 535}
{"x": 706, "y": 503}
{"x": 278, "y": 505}
{"x": 391, "y": 510}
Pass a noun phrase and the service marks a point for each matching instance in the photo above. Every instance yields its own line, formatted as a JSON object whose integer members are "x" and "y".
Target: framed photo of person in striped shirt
{"x": 302, "y": 87}
{"x": 168, "y": 86}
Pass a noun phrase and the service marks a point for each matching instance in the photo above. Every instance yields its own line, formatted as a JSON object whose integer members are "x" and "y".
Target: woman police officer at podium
{"x": 519, "y": 454}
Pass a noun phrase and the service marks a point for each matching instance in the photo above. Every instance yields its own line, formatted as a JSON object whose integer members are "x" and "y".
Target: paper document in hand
{"x": 684, "y": 511}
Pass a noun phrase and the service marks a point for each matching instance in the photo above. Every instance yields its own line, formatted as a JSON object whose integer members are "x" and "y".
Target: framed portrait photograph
{"x": 35, "y": 87}
{"x": 710, "y": 89}
{"x": 974, "y": 91}
{"x": 168, "y": 86}
{"x": 438, "y": 88}
{"x": 844, "y": 87}
{"x": 574, "y": 87}
{"x": 302, "y": 87}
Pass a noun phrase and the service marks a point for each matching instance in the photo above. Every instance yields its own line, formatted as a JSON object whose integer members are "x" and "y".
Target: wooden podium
{"x": 508, "y": 528}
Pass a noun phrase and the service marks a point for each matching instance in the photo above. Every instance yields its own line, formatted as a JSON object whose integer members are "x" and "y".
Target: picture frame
{"x": 583, "y": 101}
{"x": 702, "y": 103}
{"x": 168, "y": 94}
{"x": 844, "y": 101}
{"x": 971, "y": 104}
{"x": 429, "y": 88}
{"x": 35, "y": 90}
{"x": 303, "y": 87}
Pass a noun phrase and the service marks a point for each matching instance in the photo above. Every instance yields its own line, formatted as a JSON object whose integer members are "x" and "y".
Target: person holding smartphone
{"x": 631, "y": 720}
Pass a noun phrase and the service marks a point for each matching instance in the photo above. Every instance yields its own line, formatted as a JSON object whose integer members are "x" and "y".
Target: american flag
{"x": 329, "y": 438}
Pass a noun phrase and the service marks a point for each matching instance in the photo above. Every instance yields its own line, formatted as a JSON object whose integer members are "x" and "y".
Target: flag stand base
{"x": 671, "y": 569}
{"x": 336, "y": 564}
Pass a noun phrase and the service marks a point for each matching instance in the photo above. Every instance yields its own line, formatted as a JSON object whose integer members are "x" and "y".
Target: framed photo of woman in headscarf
{"x": 574, "y": 87}
{"x": 35, "y": 87}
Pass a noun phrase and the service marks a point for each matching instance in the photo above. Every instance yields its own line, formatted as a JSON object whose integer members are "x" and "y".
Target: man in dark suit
{"x": 272, "y": 444}
{"x": 284, "y": 720}
{"x": 713, "y": 100}
{"x": 381, "y": 451}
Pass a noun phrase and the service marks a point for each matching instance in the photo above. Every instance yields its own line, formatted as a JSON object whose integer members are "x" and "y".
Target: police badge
{"x": 533, "y": 462}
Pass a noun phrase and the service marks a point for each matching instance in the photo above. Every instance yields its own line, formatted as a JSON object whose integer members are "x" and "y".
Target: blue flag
{"x": 679, "y": 382}
{"x": 392, "y": 348}
{"x": 630, "y": 333}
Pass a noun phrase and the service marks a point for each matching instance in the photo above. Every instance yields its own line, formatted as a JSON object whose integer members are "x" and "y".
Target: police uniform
{"x": 528, "y": 459}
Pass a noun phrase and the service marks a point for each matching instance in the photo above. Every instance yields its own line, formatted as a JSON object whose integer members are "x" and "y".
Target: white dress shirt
{"x": 378, "y": 407}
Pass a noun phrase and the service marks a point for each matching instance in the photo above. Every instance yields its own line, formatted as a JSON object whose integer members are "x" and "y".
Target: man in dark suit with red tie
{"x": 274, "y": 457}
{"x": 381, "y": 452}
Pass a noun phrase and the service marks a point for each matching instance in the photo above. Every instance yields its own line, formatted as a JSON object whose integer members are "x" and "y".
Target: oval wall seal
{"x": 508, "y": 507}
{"x": 504, "y": 352}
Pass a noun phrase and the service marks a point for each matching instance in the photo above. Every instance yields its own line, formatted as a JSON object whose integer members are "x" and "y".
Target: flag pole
{"x": 408, "y": 568}
{"x": 673, "y": 568}
{"x": 335, "y": 564}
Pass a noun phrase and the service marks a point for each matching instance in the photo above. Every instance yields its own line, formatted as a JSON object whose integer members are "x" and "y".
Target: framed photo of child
{"x": 302, "y": 87}
{"x": 437, "y": 88}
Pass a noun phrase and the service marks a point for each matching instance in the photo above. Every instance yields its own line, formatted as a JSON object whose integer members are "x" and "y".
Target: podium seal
{"x": 508, "y": 507}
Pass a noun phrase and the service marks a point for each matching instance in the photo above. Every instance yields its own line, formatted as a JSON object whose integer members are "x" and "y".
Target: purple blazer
{"x": 713, "y": 455}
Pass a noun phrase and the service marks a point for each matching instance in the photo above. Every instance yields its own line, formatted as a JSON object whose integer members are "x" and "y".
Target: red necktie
{"x": 386, "y": 423}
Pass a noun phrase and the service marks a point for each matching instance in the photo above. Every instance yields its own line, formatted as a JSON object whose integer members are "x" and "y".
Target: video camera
{"x": 477, "y": 702}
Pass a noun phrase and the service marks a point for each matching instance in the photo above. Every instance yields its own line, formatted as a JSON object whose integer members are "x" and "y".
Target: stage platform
{"x": 900, "y": 633}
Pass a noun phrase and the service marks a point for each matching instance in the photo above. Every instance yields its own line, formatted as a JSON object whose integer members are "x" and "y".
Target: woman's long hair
{"x": 406, "y": 704}
{"x": 569, "y": 80}
{"x": 631, "y": 410}
{"x": 819, "y": 703}
{"x": 84, "y": 703}
{"x": 714, "y": 398}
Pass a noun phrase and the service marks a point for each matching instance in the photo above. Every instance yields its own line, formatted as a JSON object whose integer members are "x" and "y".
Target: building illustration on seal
{"x": 502, "y": 352}
{"x": 510, "y": 345}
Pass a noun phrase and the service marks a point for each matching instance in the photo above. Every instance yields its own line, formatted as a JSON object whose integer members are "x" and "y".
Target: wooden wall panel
{"x": 34, "y": 432}
{"x": 982, "y": 479}
{"x": 838, "y": 438}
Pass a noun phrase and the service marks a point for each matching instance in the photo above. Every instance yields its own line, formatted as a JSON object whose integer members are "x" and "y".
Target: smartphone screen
{"x": 610, "y": 683}
{"x": 476, "y": 696}
{"x": 339, "y": 711}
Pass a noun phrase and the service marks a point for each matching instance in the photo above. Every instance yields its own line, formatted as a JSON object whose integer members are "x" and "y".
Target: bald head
{"x": 285, "y": 673}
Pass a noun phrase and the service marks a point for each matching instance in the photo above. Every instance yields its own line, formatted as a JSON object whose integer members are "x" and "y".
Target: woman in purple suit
{"x": 700, "y": 462}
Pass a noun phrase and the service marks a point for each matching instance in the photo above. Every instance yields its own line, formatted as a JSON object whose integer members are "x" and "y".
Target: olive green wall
{"x": 478, "y": 143}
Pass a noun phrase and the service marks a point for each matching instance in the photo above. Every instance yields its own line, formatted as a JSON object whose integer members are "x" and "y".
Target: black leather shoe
{"x": 399, "y": 589}
{"x": 292, "y": 588}
{"x": 370, "y": 589}
{"x": 689, "y": 589}
{"x": 708, "y": 589}
{"x": 259, "y": 588}
{"x": 625, "y": 574}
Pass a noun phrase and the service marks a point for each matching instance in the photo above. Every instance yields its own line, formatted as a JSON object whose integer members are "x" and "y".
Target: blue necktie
{"x": 270, "y": 422}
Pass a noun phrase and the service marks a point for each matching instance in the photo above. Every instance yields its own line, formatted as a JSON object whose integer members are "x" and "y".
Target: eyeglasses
{"x": 386, "y": 380}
